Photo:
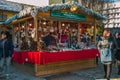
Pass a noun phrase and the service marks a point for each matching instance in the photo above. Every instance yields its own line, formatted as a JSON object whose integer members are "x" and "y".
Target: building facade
{"x": 8, "y": 9}
{"x": 112, "y": 12}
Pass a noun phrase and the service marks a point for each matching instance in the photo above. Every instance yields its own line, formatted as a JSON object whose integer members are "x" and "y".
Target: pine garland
{"x": 53, "y": 7}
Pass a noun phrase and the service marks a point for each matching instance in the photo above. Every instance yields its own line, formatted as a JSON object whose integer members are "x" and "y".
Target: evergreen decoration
{"x": 53, "y": 7}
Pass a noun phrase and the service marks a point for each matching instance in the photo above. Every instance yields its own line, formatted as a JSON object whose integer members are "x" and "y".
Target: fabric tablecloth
{"x": 48, "y": 57}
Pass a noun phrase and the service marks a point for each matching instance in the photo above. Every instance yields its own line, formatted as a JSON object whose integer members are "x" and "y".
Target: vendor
{"x": 74, "y": 40}
{"x": 49, "y": 39}
{"x": 64, "y": 37}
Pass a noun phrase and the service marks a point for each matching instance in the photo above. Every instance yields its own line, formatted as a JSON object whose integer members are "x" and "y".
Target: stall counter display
{"x": 44, "y": 63}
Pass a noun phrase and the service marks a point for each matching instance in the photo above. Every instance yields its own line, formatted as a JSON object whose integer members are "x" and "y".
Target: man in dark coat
{"x": 117, "y": 54}
{"x": 49, "y": 39}
{"x": 6, "y": 50}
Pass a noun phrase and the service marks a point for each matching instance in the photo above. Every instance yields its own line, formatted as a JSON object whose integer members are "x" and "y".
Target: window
{"x": 3, "y": 17}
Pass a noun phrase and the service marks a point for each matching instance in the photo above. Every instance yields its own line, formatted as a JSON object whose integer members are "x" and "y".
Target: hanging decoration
{"x": 73, "y": 8}
{"x": 25, "y": 12}
{"x": 34, "y": 12}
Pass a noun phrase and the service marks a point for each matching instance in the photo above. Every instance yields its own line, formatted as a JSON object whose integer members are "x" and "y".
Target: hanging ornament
{"x": 34, "y": 13}
{"x": 30, "y": 24}
{"x": 33, "y": 33}
{"x": 16, "y": 29}
{"x": 44, "y": 29}
{"x": 23, "y": 26}
{"x": 73, "y": 8}
{"x": 52, "y": 29}
{"x": 39, "y": 28}
{"x": 63, "y": 24}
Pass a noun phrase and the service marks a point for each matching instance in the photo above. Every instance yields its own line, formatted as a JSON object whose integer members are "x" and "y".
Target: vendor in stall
{"x": 74, "y": 40}
{"x": 50, "y": 41}
{"x": 64, "y": 38}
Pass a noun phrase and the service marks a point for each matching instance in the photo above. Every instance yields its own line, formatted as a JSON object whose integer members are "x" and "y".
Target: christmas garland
{"x": 53, "y": 7}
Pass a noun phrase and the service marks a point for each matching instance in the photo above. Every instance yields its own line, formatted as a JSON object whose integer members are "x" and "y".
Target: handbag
{"x": 106, "y": 55}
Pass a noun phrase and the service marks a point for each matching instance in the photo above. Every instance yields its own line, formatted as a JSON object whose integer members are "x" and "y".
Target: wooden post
{"x": 26, "y": 27}
{"x": 94, "y": 31}
{"x": 12, "y": 32}
{"x": 36, "y": 27}
{"x": 36, "y": 36}
{"x": 79, "y": 32}
{"x": 19, "y": 28}
{"x": 35, "y": 68}
{"x": 59, "y": 26}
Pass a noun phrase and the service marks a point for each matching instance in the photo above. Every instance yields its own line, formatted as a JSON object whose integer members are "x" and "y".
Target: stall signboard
{"x": 68, "y": 15}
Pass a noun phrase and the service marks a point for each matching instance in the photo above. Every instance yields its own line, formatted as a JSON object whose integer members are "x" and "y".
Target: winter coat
{"x": 6, "y": 48}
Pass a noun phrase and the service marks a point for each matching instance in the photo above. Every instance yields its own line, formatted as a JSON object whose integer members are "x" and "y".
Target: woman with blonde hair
{"x": 104, "y": 46}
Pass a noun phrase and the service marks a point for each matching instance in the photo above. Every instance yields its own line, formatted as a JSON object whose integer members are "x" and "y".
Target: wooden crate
{"x": 56, "y": 67}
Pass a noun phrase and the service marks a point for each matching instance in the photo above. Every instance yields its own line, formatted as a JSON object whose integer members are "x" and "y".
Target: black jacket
{"x": 6, "y": 50}
{"x": 117, "y": 47}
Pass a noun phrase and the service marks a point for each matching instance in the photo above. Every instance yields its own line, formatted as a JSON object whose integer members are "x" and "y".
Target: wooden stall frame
{"x": 56, "y": 67}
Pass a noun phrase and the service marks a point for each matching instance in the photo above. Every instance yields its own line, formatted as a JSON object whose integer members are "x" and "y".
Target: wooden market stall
{"x": 38, "y": 53}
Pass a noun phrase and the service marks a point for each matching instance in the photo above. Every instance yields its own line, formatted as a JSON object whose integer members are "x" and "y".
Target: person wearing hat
{"x": 6, "y": 50}
{"x": 104, "y": 46}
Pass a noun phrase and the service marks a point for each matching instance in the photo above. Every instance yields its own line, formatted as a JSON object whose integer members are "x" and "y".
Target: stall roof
{"x": 34, "y": 11}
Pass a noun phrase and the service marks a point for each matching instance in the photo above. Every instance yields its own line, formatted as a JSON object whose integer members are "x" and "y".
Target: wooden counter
{"x": 56, "y": 67}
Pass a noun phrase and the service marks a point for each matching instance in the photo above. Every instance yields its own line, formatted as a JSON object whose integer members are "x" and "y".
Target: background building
{"x": 7, "y": 10}
{"x": 112, "y": 12}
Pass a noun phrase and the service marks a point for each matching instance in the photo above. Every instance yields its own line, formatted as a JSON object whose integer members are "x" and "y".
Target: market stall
{"x": 53, "y": 38}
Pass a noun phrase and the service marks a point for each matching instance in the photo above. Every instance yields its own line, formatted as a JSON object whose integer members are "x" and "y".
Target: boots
{"x": 108, "y": 78}
{"x": 105, "y": 70}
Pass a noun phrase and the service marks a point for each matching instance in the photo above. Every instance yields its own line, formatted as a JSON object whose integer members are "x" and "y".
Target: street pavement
{"x": 87, "y": 74}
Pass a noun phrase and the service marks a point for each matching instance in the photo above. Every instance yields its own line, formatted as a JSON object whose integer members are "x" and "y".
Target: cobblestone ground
{"x": 88, "y": 74}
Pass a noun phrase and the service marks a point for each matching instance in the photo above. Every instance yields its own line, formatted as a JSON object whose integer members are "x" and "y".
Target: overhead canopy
{"x": 53, "y": 7}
